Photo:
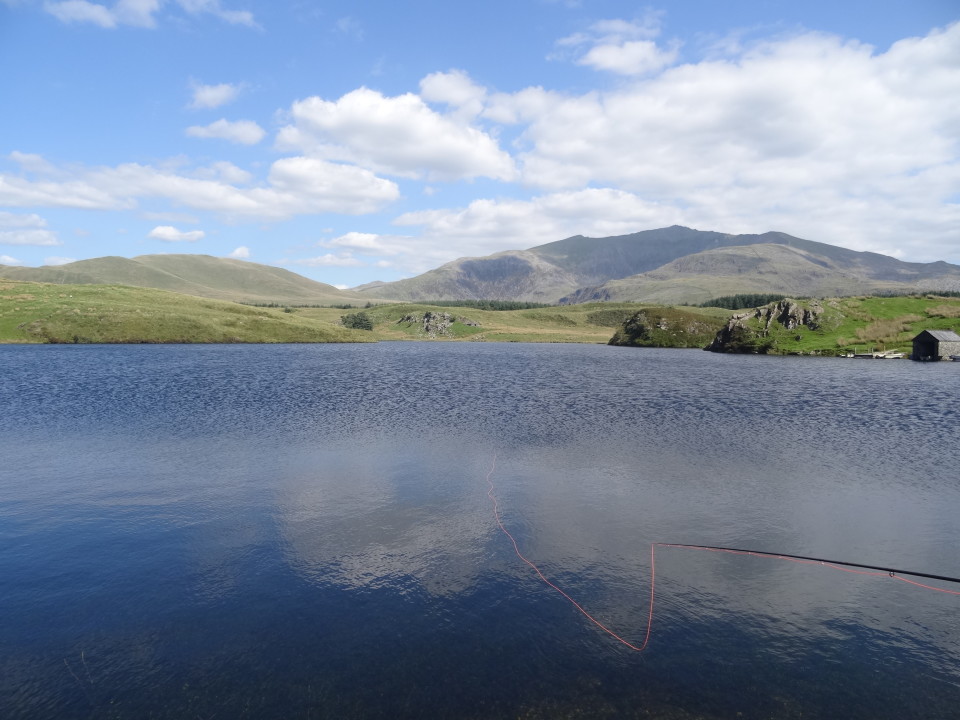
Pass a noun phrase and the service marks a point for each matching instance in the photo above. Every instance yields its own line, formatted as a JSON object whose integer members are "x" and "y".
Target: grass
{"x": 46, "y": 313}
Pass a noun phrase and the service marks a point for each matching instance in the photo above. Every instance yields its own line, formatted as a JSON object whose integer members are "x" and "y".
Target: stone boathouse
{"x": 935, "y": 345}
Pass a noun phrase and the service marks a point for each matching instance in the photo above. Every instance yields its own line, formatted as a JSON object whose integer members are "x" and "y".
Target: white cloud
{"x": 25, "y": 230}
{"x": 7, "y": 260}
{"x": 295, "y": 186}
{"x": 213, "y": 7}
{"x": 81, "y": 11}
{"x": 213, "y": 96}
{"x": 224, "y": 171}
{"x": 55, "y": 260}
{"x": 31, "y": 162}
{"x": 242, "y": 132}
{"x": 138, "y": 13}
{"x": 328, "y": 260}
{"x": 19, "y": 192}
{"x": 241, "y": 253}
{"x": 456, "y": 89}
{"x": 636, "y": 57}
{"x": 168, "y": 233}
{"x": 367, "y": 243}
{"x": 312, "y": 185}
{"x": 28, "y": 237}
{"x": 397, "y": 135}
{"x": 13, "y": 220}
{"x": 620, "y": 46}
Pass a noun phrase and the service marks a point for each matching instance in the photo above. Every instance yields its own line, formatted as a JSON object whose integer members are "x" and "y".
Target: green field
{"x": 45, "y": 313}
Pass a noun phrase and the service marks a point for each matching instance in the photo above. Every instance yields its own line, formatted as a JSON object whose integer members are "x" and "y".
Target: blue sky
{"x": 360, "y": 141}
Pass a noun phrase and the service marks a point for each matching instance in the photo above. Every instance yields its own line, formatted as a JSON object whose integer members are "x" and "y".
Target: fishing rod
{"x": 892, "y": 571}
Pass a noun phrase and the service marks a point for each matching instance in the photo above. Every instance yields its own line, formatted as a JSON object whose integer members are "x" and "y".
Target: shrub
{"x": 357, "y": 321}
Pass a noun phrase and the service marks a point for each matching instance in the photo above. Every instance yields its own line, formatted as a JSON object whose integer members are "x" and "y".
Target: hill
{"x": 199, "y": 275}
{"x": 49, "y": 313}
{"x": 668, "y": 265}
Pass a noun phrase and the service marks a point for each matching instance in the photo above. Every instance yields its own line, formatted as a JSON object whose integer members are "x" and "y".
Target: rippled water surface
{"x": 305, "y": 531}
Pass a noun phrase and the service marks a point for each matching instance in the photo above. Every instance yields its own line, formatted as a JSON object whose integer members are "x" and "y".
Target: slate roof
{"x": 942, "y": 335}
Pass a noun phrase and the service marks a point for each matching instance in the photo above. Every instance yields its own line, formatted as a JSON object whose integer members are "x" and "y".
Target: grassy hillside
{"x": 200, "y": 275}
{"x": 42, "y": 313}
{"x": 862, "y": 324}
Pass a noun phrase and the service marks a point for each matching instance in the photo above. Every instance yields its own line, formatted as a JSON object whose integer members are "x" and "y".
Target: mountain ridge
{"x": 649, "y": 266}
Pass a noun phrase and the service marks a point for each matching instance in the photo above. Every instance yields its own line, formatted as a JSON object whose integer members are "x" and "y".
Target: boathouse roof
{"x": 941, "y": 335}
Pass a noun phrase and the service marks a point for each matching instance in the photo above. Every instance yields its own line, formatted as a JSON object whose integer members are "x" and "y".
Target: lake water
{"x": 305, "y": 532}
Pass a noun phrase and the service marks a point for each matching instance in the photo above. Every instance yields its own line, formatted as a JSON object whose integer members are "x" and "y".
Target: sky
{"x": 366, "y": 140}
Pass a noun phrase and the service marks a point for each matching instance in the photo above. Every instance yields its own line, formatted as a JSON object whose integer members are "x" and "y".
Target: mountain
{"x": 199, "y": 275}
{"x": 668, "y": 265}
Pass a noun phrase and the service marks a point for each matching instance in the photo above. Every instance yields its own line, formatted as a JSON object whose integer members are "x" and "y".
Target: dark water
{"x": 304, "y": 531}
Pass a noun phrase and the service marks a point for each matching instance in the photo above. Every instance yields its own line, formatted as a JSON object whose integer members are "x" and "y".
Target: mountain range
{"x": 671, "y": 265}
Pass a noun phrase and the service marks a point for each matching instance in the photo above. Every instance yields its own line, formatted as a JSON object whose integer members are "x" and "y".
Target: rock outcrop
{"x": 435, "y": 324}
{"x": 665, "y": 327}
{"x": 751, "y": 332}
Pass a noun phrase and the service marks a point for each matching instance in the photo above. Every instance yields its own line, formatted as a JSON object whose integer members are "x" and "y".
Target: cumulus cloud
{"x": 636, "y": 57}
{"x": 396, "y": 135}
{"x": 168, "y": 233}
{"x": 368, "y": 243}
{"x": 241, "y": 253}
{"x": 242, "y": 132}
{"x": 25, "y": 230}
{"x": 295, "y": 186}
{"x": 7, "y": 260}
{"x": 225, "y": 171}
{"x": 138, "y": 13}
{"x": 620, "y": 46}
{"x": 213, "y": 96}
{"x": 456, "y": 89}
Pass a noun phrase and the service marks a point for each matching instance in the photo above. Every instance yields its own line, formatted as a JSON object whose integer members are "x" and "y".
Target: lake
{"x": 304, "y": 531}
